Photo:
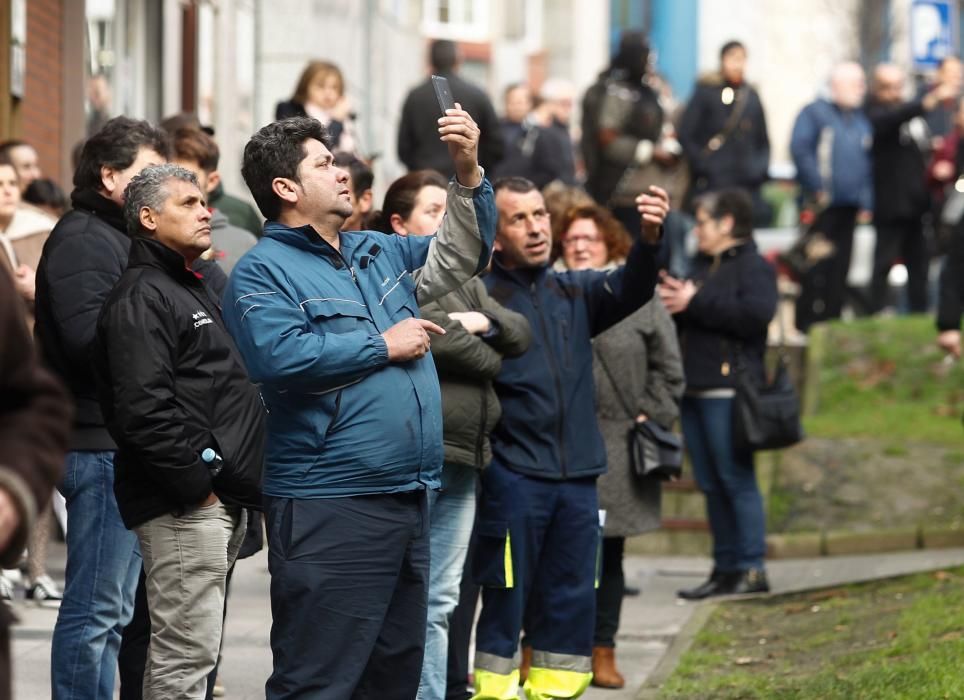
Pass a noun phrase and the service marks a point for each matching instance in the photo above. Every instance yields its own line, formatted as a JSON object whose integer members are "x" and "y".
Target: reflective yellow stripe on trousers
{"x": 496, "y": 678}
{"x": 557, "y": 676}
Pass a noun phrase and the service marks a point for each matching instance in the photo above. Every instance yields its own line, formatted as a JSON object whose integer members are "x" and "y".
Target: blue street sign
{"x": 931, "y": 31}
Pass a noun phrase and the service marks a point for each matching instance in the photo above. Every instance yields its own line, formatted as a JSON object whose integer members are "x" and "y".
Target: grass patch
{"x": 886, "y": 378}
{"x": 899, "y": 639}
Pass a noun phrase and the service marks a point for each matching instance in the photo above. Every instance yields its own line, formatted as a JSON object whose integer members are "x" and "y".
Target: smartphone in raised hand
{"x": 444, "y": 93}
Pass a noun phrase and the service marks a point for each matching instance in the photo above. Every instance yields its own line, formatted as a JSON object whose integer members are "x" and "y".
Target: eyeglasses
{"x": 573, "y": 241}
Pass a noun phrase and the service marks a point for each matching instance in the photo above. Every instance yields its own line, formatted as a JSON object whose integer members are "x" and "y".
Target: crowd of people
{"x": 425, "y": 403}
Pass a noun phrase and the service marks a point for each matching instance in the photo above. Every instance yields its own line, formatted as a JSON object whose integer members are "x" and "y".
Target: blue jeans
{"x": 103, "y": 562}
{"x": 452, "y": 512}
{"x": 727, "y": 478}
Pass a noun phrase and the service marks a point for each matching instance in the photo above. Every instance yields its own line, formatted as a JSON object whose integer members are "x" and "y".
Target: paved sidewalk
{"x": 649, "y": 622}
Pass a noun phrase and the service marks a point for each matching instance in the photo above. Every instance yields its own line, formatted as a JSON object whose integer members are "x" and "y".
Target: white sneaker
{"x": 44, "y": 592}
{"x": 6, "y": 586}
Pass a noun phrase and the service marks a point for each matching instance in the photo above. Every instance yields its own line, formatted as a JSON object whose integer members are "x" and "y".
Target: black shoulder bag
{"x": 766, "y": 416}
{"x": 654, "y": 451}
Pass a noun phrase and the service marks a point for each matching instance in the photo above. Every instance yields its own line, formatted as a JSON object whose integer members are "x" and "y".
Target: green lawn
{"x": 900, "y": 639}
{"x": 886, "y": 379}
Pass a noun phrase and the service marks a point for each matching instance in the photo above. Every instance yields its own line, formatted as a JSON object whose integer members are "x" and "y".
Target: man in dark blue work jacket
{"x": 538, "y": 529}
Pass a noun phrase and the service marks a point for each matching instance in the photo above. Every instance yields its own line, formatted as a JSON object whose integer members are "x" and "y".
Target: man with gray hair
{"x": 188, "y": 425}
{"x": 830, "y": 146}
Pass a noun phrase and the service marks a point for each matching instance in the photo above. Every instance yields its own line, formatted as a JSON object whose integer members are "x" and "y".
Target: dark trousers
{"x": 902, "y": 239}
{"x": 554, "y": 531}
{"x": 132, "y": 657}
{"x": 460, "y": 633}
{"x": 824, "y": 286}
{"x": 349, "y": 596}
{"x": 609, "y": 595}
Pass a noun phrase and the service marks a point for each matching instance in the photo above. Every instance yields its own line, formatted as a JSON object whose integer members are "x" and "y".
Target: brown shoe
{"x": 604, "y": 672}
{"x": 526, "y": 664}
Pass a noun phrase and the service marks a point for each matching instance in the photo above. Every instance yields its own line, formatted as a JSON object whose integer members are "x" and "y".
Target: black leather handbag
{"x": 654, "y": 451}
{"x": 766, "y": 415}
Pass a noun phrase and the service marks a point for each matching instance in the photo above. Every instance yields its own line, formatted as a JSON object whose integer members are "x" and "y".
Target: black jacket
{"x": 171, "y": 384}
{"x": 744, "y": 156}
{"x": 548, "y": 427}
{"x": 950, "y": 303}
{"x": 466, "y": 366}
{"x": 83, "y": 258}
{"x": 418, "y": 142}
{"x": 292, "y": 108}
{"x": 900, "y": 169}
{"x": 727, "y": 319}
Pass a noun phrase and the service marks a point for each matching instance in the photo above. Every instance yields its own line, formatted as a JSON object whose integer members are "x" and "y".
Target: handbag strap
{"x": 619, "y": 393}
{"x": 739, "y": 107}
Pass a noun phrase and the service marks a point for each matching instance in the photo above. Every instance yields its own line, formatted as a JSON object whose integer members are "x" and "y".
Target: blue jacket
{"x": 308, "y": 319}
{"x": 548, "y": 427}
{"x": 831, "y": 151}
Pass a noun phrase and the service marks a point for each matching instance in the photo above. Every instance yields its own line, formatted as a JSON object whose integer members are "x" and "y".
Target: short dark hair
{"x": 513, "y": 183}
{"x": 362, "y": 176}
{"x": 401, "y": 195}
{"x": 734, "y": 202}
{"x": 276, "y": 151}
{"x": 443, "y": 55}
{"x": 10, "y": 144}
{"x": 731, "y": 46}
{"x": 116, "y": 146}
{"x": 44, "y": 192}
{"x": 193, "y": 144}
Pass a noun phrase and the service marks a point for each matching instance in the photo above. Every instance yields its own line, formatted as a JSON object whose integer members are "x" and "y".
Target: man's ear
{"x": 365, "y": 202}
{"x": 497, "y": 245}
{"x": 285, "y": 190}
{"x": 108, "y": 179}
{"x": 395, "y": 221}
{"x": 148, "y": 218}
{"x": 214, "y": 179}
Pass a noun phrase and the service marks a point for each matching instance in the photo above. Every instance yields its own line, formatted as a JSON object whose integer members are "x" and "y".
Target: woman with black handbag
{"x": 722, "y": 314}
{"x": 638, "y": 376}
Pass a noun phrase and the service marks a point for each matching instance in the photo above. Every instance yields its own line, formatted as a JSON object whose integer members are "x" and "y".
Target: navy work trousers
{"x": 349, "y": 588}
{"x": 553, "y": 529}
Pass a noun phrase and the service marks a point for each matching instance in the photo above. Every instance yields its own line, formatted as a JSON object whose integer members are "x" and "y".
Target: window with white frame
{"x": 460, "y": 20}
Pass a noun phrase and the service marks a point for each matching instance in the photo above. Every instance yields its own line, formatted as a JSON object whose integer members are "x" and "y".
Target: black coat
{"x": 744, "y": 157}
{"x": 82, "y": 260}
{"x": 171, "y": 384}
{"x": 950, "y": 303}
{"x": 727, "y": 319}
{"x": 292, "y": 108}
{"x": 900, "y": 169}
{"x": 418, "y": 141}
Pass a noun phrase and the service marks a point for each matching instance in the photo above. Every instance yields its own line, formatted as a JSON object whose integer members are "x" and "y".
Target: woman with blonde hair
{"x": 320, "y": 94}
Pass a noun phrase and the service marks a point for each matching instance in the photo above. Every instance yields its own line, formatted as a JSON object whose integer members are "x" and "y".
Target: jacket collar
{"x": 101, "y": 207}
{"x": 308, "y": 239}
{"x": 522, "y": 276}
{"x": 748, "y": 246}
{"x": 148, "y": 252}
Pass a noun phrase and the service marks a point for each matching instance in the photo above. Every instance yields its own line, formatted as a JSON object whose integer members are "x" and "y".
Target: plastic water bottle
{"x": 213, "y": 460}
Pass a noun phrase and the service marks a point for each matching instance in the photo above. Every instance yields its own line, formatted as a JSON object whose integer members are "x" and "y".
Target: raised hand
{"x": 460, "y": 132}
{"x": 653, "y": 208}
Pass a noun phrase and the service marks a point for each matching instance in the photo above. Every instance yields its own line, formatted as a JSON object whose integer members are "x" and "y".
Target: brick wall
{"x": 41, "y": 112}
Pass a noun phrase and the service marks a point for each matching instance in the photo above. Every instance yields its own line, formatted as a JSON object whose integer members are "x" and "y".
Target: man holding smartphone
{"x": 328, "y": 323}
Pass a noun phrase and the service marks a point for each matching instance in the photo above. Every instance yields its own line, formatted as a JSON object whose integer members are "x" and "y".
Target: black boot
{"x": 751, "y": 581}
{"x": 719, "y": 583}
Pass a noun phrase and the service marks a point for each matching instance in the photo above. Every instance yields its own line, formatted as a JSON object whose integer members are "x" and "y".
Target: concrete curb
{"x": 797, "y": 545}
{"x": 652, "y": 688}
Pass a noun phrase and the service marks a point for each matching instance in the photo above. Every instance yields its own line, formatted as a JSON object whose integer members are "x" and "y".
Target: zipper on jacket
{"x": 554, "y": 368}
